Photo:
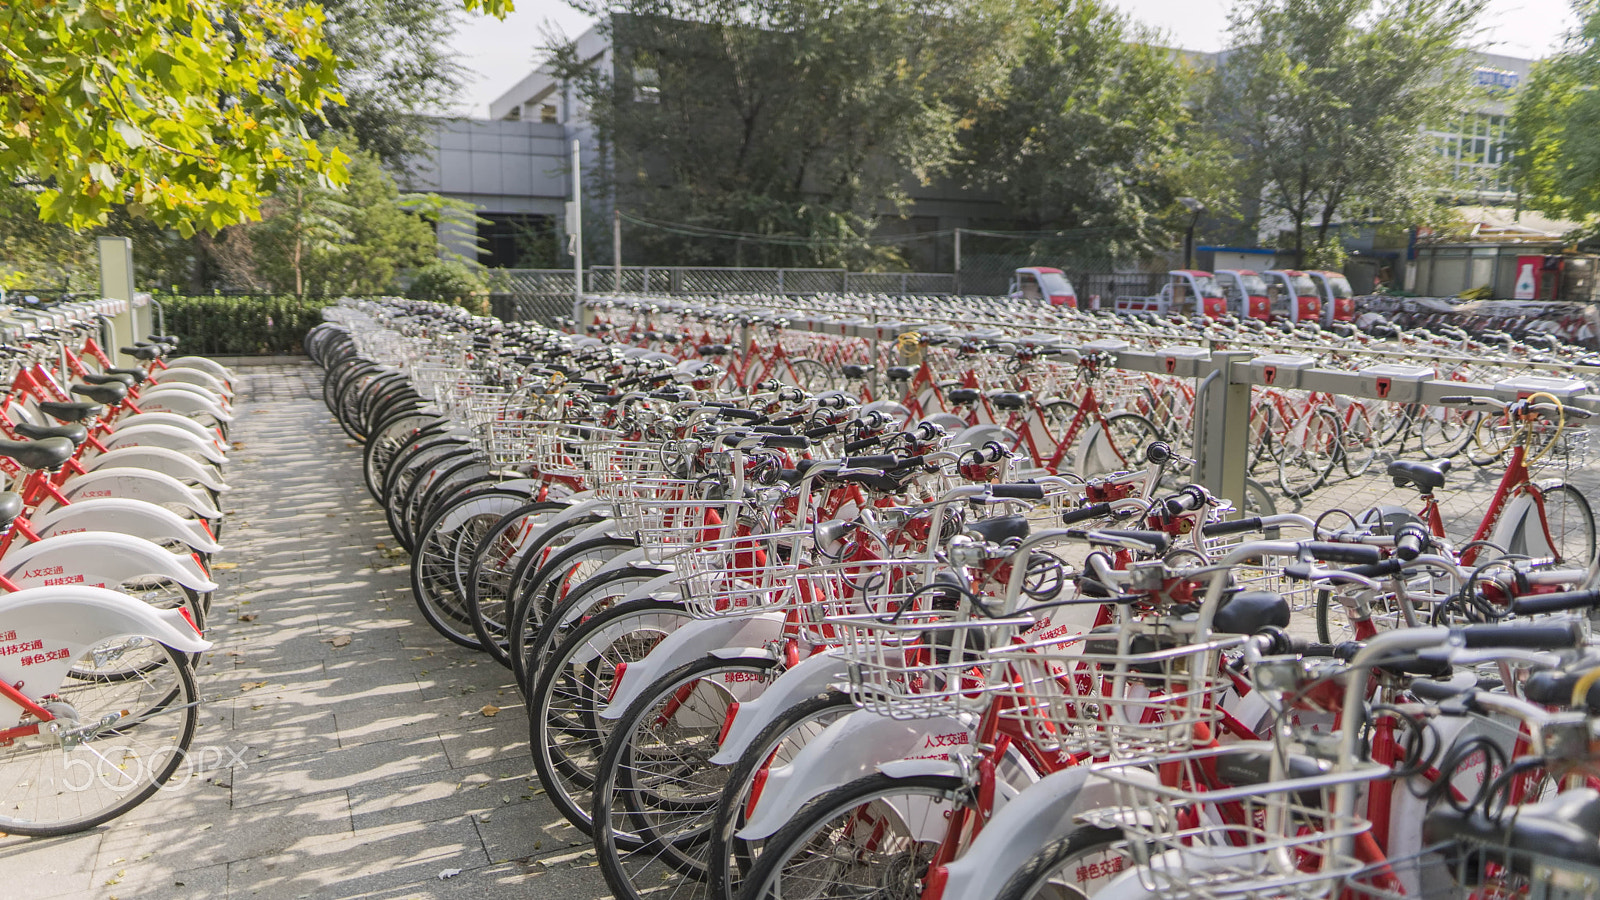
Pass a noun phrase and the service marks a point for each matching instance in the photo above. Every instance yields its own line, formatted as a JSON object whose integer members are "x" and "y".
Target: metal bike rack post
{"x": 1222, "y": 425}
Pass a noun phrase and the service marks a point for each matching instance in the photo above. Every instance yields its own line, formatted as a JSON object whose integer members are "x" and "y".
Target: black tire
{"x": 655, "y": 791}
{"x": 152, "y": 716}
{"x": 445, "y": 547}
{"x": 387, "y": 440}
{"x": 901, "y": 873}
{"x": 488, "y": 582}
{"x": 727, "y": 856}
{"x": 1446, "y": 430}
{"x": 1304, "y": 465}
{"x": 1073, "y": 867}
{"x": 563, "y": 574}
{"x": 564, "y": 727}
{"x": 1570, "y": 520}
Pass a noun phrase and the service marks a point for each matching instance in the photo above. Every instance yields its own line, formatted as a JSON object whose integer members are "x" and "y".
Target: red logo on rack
{"x": 1383, "y": 388}
{"x": 1172, "y": 364}
{"x": 1270, "y": 373}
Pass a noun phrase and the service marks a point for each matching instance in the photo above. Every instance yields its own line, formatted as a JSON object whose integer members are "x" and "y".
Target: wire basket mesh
{"x": 927, "y": 657}
{"x": 740, "y": 575}
{"x": 1245, "y": 820}
{"x": 1117, "y": 692}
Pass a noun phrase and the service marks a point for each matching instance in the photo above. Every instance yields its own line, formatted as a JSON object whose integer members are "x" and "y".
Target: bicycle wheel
{"x": 564, "y": 724}
{"x": 1258, "y": 500}
{"x": 655, "y": 790}
{"x": 386, "y": 441}
{"x": 1119, "y": 446}
{"x": 1569, "y": 522}
{"x": 1073, "y": 867}
{"x": 1358, "y": 442}
{"x": 1305, "y": 459}
{"x": 488, "y": 580}
{"x": 131, "y": 735}
{"x": 729, "y": 857}
{"x": 872, "y": 837}
{"x": 811, "y": 376}
{"x": 445, "y": 546}
{"x": 1446, "y": 430}
{"x": 1050, "y": 434}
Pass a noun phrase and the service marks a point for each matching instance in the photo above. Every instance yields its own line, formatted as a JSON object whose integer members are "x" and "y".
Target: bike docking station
{"x": 1223, "y": 378}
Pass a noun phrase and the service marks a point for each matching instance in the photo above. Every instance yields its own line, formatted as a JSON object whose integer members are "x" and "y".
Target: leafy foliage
{"x": 791, "y": 118}
{"x": 1556, "y": 128}
{"x": 1323, "y": 98}
{"x": 1090, "y": 130}
{"x": 188, "y": 112}
{"x": 451, "y": 281}
{"x": 239, "y": 326}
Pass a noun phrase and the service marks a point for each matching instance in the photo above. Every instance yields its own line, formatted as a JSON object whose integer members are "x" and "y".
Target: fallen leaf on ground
{"x": 342, "y": 640}
{"x": 489, "y": 710}
{"x": 226, "y": 566}
{"x": 248, "y": 617}
{"x": 252, "y": 685}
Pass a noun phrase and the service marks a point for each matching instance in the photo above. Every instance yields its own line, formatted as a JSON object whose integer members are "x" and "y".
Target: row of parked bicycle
{"x": 107, "y": 530}
{"x": 777, "y": 642}
{"x": 1041, "y": 376}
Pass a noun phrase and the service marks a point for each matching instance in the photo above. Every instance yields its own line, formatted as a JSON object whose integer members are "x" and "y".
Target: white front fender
{"x": 101, "y": 559}
{"x": 216, "y": 369}
{"x": 64, "y": 622}
{"x": 1042, "y": 813}
{"x": 849, "y": 748}
{"x": 662, "y": 587}
{"x": 139, "y": 484}
{"x": 163, "y": 435}
{"x": 802, "y": 681}
{"x": 174, "y": 420}
{"x": 691, "y": 641}
{"x": 159, "y": 459}
{"x": 197, "y": 377}
{"x": 204, "y": 393}
{"x": 184, "y": 403}
{"x": 125, "y": 515}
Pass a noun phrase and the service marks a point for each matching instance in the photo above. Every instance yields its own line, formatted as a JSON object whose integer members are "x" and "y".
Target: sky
{"x": 501, "y": 53}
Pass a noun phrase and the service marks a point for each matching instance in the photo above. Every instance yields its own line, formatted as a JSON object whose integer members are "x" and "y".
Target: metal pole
{"x": 577, "y": 234}
{"x": 616, "y": 250}
{"x": 1222, "y": 428}
{"x": 958, "y": 261}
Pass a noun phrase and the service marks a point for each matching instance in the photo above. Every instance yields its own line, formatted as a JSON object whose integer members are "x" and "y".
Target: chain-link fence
{"x": 546, "y": 294}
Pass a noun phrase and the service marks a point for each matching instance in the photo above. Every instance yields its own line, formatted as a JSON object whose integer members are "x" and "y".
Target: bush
{"x": 254, "y": 325}
{"x": 450, "y": 281}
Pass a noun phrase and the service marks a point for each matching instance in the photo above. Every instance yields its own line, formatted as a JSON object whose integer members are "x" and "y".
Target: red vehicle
{"x": 1297, "y": 298}
{"x": 1338, "y": 300}
{"x": 1247, "y": 293}
{"x": 1188, "y": 292}
{"x": 1044, "y": 283}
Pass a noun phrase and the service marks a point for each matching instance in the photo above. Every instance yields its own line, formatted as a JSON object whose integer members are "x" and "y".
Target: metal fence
{"x": 546, "y": 294}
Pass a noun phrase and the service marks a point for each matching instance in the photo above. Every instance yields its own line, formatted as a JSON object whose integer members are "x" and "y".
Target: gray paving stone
{"x": 274, "y": 780}
{"x": 49, "y": 867}
{"x": 363, "y": 863}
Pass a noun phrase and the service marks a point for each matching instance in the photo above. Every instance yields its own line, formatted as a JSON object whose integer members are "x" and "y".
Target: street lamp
{"x": 1194, "y": 206}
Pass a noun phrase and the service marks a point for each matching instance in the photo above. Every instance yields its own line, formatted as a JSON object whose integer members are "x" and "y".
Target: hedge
{"x": 240, "y": 326}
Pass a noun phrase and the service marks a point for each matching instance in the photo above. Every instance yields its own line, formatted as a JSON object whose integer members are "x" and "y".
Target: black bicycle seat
{"x": 999, "y": 529}
{"x": 1566, "y": 826}
{"x": 69, "y": 412}
{"x": 138, "y": 375}
{"x": 1249, "y": 611}
{"x": 713, "y": 350}
{"x": 102, "y": 393}
{"x": 46, "y": 454}
{"x": 1425, "y": 477}
{"x": 855, "y": 370}
{"x": 900, "y": 373}
{"x": 1008, "y": 400}
{"x": 964, "y": 395}
{"x": 146, "y": 352}
{"x": 77, "y": 434}
{"x": 108, "y": 378}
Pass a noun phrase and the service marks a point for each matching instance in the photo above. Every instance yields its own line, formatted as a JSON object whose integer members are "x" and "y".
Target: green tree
{"x": 396, "y": 69}
{"x": 188, "y": 112}
{"x": 1325, "y": 102}
{"x": 1091, "y": 131}
{"x": 794, "y": 119}
{"x": 1556, "y": 127}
